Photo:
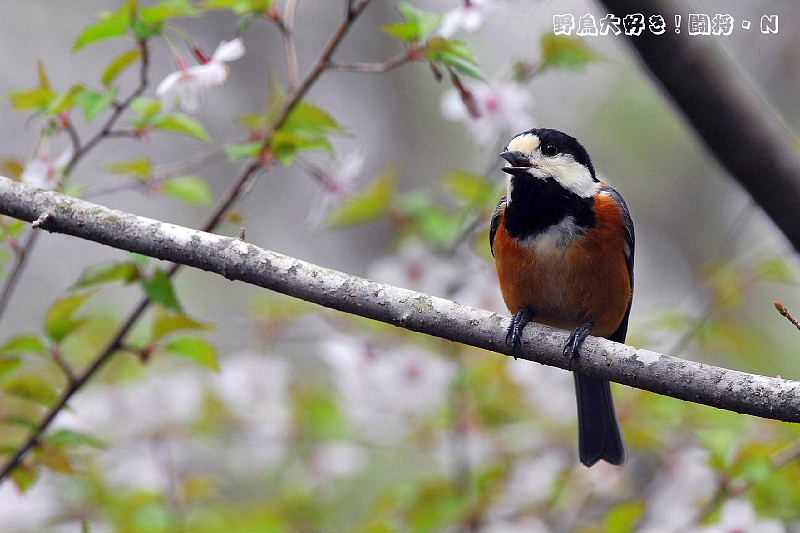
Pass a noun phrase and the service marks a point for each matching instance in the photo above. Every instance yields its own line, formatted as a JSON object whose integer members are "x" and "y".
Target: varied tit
{"x": 563, "y": 242}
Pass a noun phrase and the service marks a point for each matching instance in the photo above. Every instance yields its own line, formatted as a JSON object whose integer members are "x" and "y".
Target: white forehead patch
{"x": 527, "y": 144}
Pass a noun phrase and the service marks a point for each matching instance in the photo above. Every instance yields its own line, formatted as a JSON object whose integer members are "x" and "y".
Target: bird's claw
{"x": 573, "y": 346}
{"x": 514, "y": 334}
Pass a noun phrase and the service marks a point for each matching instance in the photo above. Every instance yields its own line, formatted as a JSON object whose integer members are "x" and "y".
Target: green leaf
{"x": 93, "y": 103}
{"x": 108, "y": 273}
{"x": 118, "y": 66}
{"x": 286, "y": 145}
{"x": 369, "y": 205}
{"x": 12, "y": 167}
{"x": 145, "y": 31}
{"x": 146, "y": 107}
{"x": 68, "y": 437}
{"x": 23, "y": 344}
{"x": 624, "y": 516}
{"x": 236, "y": 152}
{"x": 564, "y": 51}
{"x": 60, "y": 318}
{"x": 199, "y": 350}
{"x": 167, "y": 9}
{"x": 183, "y": 124}
{"x": 37, "y": 99}
{"x": 32, "y": 387}
{"x": 44, "y": 79}
{"x": 438, "y": 225}
{"x": 167, "y": 323}
{"x": 21, "y": 421}
{"x": 470, "y": 188}
{"x": 24, "y": 476}
{"x": 455, "y": 54}
{"x": 240, "y": 7}
{"x": 417, "y": 26}
{"x": 159, "y": 288}
{"x": 140, "y": 168}
{"x": 318, "y": 415}
{"x": 193, "y": 190}
{"x": 55, "y": 459}
{"x": 9, "y": 364}
{"x": 65, "y": 101}
{"x": 311, "y": 119}
{"x": 111, "y": 26}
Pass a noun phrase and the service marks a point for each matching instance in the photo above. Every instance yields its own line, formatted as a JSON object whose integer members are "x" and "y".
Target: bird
{"x": 563, "y": 243}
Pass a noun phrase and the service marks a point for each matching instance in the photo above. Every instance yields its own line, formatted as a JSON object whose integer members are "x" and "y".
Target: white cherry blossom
{"x": 186, "y": 85}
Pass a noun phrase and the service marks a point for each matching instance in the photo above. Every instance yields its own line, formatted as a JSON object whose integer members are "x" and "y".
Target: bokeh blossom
{"x": 490, "y": 110}
{"x": 471, "y": 15}
{"x": 42, "y": 170}
{"x": 186, "y": 85}
{"x": 338, "y": 183}
{"x": 739, "y": 516}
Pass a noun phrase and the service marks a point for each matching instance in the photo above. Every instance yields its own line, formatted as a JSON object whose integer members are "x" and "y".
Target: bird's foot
{"x": 514, "y": 334}
{"x": 575, "y": 341}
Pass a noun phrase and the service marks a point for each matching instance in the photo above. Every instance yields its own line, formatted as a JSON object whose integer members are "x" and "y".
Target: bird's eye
{"x": 549, "y": 150}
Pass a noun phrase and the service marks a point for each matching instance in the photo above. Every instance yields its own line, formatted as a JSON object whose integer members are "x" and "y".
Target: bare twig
{"x": 74, "y": 138}
{"x": 292, "y": 65}
{"x": 387, "y": 65}
{"x": 219, "y": 213}
{"x": 161, "y": 174}
{"x": 119, "y": 109}
{"x": 763, "y": 396}
{"x": 41, "y": 221}
{"x": 785, "y": 312}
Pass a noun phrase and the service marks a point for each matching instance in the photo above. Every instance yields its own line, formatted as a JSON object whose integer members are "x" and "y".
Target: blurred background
{"x": 313, "y": 420}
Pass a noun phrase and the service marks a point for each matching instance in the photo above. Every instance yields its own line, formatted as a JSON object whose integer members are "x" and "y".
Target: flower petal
{"x": 211, "y": 74}
{"x": 229, "y": 50}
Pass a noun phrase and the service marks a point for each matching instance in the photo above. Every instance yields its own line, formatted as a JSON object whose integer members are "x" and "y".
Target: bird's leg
{"x": 575, "y": 341}
{"x": 514, "y": 334}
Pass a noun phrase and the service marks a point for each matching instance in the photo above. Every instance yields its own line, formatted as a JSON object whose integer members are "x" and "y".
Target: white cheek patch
{"x": 569, "y": 173}
{"x": 527, "y": 144}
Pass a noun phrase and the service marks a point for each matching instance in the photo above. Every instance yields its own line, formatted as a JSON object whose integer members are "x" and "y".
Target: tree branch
{"x": 237, "y": 260}
{"x": 725, "y": 110}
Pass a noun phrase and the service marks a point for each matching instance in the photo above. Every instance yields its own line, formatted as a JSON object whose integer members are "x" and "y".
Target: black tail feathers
{"x": 599, "y": 434}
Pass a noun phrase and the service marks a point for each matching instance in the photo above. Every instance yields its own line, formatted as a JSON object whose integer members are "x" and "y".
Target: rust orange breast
{"x": 565, "y": 286}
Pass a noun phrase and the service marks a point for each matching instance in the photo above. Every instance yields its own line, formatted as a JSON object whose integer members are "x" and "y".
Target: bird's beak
{"x": 519, "y": 162}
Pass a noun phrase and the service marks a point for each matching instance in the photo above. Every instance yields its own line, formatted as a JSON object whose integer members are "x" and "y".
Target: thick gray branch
{"x": 725, "y": 110}
{"x": 237, "y": 260}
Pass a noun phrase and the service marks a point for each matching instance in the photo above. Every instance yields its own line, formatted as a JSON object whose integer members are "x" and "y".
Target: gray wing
{"x": 622, "y": 331}
{"x": 498, "y": 214}
{"x": 631, "y": 236}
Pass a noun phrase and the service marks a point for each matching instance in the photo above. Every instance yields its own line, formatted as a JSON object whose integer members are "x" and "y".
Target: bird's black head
{"x": 545, "y": 153}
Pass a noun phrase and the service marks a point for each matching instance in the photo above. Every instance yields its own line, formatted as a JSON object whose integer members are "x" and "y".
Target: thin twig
{"x": 386, "y": 66}
{"x": 292, "y": 65}
{"x": 20, "y": 259}
{"x": 217, "y": 216}
{"x": 119, "y": 109}
{"x": 161, "y": 174}
{"x": 74, "y": 138}
{"x": 785, "y": 312}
